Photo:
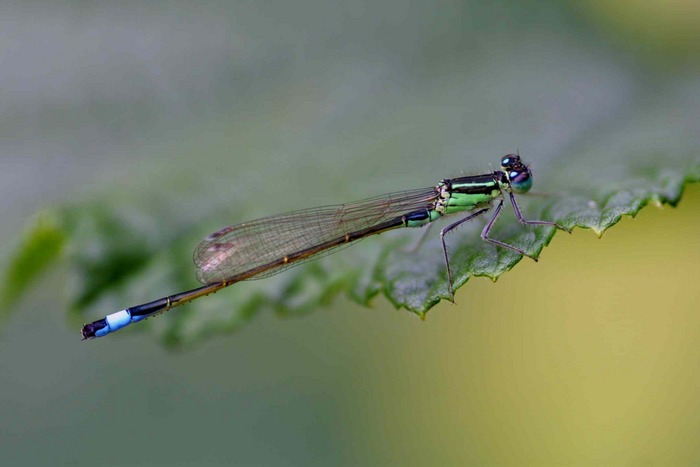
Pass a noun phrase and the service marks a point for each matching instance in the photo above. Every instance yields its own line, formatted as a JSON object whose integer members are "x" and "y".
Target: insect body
{"x": 270, "y": 245}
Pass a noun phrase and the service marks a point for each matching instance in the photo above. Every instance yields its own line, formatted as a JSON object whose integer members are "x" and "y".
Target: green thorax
{"x": 468, "y": 193}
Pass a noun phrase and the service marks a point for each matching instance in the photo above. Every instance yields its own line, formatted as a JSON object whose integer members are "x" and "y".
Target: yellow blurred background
{"x": 585, "y": 358}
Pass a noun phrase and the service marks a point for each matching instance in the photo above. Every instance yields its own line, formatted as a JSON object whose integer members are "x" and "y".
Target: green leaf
{"x": 605, "y": 138}
{"x": 41, "y": 246}
{"x": 113, "y": 258}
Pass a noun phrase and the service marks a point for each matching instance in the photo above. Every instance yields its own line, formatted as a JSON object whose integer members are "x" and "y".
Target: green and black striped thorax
{"x": 475, "y": 191}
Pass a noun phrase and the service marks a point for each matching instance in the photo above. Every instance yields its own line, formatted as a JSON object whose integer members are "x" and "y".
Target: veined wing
{"x": 243, "y": 247}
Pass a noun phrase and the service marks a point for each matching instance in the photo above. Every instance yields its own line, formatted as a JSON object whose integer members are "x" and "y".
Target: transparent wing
{"x": 242, "y": 247}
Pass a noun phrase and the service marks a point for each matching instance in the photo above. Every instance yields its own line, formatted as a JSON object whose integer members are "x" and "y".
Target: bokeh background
{"x": 587, "y": 357}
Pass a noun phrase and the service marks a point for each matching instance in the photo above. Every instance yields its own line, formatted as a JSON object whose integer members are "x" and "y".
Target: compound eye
{"x": 521, "y": 181}
{"x": 510, "y": 160}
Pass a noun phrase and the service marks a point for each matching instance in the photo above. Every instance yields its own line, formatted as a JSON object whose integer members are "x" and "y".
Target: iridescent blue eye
{"x": 520, "y": 181}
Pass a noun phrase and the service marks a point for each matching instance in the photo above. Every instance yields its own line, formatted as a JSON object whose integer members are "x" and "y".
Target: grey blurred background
{"x": 252, "y": 108}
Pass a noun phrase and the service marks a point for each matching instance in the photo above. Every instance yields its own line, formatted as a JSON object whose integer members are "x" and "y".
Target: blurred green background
{"x": 213, "y": 112}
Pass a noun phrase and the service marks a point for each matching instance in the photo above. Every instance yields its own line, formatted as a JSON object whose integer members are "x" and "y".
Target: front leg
{"x": 487, "y": 230}
{"x": 522, "y": 220}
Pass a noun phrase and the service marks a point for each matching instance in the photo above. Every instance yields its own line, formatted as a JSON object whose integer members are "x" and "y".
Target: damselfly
{"x": 267, "y": 246}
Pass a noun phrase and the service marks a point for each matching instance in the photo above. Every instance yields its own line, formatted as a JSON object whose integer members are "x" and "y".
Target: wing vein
{"x": 238, "y": 248}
